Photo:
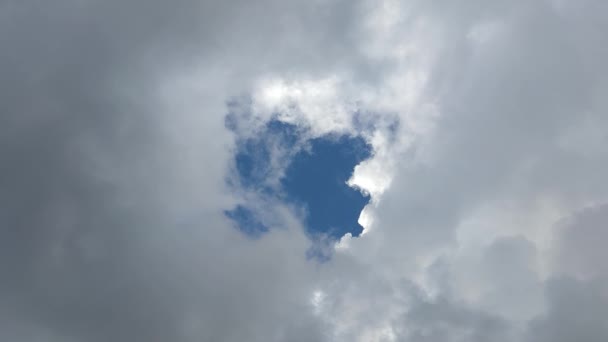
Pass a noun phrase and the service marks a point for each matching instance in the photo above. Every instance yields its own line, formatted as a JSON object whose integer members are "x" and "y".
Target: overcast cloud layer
{"x": 489, "y": 212}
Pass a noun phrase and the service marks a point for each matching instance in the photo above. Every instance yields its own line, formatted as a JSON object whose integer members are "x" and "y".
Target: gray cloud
{"x": 441, "y": 320}
{"x": 580, "y": 243}
{"x": 577, "y": 311}
{"x": 111, "y": 220}
{"x": 114, "y": 158}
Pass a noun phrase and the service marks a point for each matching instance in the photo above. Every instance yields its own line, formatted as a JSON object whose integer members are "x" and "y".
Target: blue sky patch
{"x": 316, "y": 179}
{"x": 311, "y": 175}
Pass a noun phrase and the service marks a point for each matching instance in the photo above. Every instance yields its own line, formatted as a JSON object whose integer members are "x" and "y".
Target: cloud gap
{"x": 281, "y": 163}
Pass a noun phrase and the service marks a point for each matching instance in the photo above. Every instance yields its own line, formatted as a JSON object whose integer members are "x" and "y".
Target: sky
{"x": 324, "y": 170}
{"x": 313, "y": 176}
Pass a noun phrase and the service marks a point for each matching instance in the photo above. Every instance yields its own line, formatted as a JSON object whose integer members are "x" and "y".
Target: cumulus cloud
{"x": 488, "y": 128}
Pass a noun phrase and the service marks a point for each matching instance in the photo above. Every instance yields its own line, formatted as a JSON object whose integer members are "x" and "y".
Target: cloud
{"x": 113, "y": 185}
{"x": 488, "y": 125}
{"x": 579, "y": 244}
{"x": 576, "y": 311}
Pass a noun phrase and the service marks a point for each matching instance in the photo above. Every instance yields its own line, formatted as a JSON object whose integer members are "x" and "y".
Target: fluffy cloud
{"x": 488, "y": 125}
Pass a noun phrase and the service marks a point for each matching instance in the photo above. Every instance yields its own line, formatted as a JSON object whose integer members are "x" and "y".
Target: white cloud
{"x": 314, "y": 103}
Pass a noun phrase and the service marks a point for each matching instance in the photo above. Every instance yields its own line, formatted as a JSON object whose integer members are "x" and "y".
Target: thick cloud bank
{"x": 119, "y": 143}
